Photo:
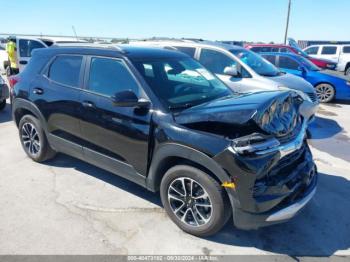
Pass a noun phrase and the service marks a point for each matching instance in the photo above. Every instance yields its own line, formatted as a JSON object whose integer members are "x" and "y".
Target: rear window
{"x": 66, "y": 70}
{"x": 26, "y": 47}
{"x": 346, "y": 49}
{"x": 329, "y": 50}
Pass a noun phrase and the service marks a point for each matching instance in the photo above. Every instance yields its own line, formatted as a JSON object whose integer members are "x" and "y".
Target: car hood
{"x": 245, "y": 113}
{"x": 293, "y": 82}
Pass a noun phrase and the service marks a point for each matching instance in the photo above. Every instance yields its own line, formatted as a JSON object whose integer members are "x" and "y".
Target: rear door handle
{"x": 88, "y": 104}
{"x": 38, "y": 91}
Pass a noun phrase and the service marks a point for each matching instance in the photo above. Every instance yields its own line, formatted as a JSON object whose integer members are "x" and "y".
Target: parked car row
{"x": 167, "y": 121}
{"x": 327, "y": 86}
{"x": 339, "y": 54}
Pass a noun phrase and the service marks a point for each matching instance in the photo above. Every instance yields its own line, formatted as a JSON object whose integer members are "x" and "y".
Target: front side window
{"x": 312, "y": 50}
{"x": 256, "y": 62}
{"x": 27, "y": 46}
{"x": 65, "y": 70}
{"x": 215, "y": 61}
{"x": 346, "y": 49}
{"x": 180, "y": 82}
{"x": 110, "y": 76}
{"x": 187, "y": 50}
{"x": 329, "y": 50}
{"x": 288, "y": 63}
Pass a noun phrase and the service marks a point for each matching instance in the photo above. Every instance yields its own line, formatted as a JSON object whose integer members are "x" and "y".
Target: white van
{"x": 339, "y": 54}
{"x": 26, "y": 44}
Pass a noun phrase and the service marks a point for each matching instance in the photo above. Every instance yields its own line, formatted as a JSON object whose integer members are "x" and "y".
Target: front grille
{"x": 312, "y": 96}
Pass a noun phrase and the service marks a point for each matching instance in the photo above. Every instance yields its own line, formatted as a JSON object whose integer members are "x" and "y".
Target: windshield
{"x": 181, "y": 82}
{"x": 308, "y": 64}
{"x": 256, "y": 62}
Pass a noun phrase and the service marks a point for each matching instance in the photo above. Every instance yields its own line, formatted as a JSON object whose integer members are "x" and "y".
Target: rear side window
{"x": 288, "y": 63}
{"x": 312, "y": 50}
{"x": 329, "y": 50}
{"x": 27, "y": 46}
{"x": 346, "y": 49}
{"x": 187, "y": 50}
{"x": 66, "y": 70}
{"x": 110, "y": 76}
{"x": 255, "y": 49}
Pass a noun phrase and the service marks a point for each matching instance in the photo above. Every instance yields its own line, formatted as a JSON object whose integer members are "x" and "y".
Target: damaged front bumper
{"x": 272, "y": 185}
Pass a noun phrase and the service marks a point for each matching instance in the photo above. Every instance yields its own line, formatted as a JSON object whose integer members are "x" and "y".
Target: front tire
{"x": 325, "y": 92}
{"x": 2, "y": 104}
{"x": 194, "y": 201}
{"x": 33, "y": 139}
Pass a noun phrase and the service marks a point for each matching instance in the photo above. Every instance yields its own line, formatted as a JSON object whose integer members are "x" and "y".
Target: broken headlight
{"x": 254, "y": 143}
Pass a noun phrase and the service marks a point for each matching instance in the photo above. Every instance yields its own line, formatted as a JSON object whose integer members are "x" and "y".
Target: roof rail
{"x": 91, "y": 45}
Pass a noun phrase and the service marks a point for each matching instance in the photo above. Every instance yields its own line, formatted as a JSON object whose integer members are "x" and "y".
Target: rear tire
{"x": 33, "y": 139}
{"x": 2, "y": 104}
{"x": 194, "y": 201}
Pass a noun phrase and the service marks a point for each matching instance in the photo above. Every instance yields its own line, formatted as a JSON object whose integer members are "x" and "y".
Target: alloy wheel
{"x": 190, "y": 202}
{"x": 30, "y": 139}
{"x": 325, "y": 92}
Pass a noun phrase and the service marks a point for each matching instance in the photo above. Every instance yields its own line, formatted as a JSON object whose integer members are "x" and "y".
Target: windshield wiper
{"x": 182, "y": 106}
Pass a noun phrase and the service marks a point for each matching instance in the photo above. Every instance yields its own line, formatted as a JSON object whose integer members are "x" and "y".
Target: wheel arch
{"x": 171, "y": 154}
{"x": 21, "y": 107}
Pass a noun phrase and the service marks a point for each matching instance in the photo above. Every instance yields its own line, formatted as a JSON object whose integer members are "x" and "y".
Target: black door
{"x": 116, "y": 137}
{"x": 57, "y": 96}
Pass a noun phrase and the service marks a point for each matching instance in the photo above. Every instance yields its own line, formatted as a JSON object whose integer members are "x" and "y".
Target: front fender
{"x": 181, "y": 151}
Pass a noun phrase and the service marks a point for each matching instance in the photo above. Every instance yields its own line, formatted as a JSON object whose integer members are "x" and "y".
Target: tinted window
{"x": 255, "y": 49}
{"x": 66, "y": 70}
{"x": 270, "y": 58}
{"x": 346, "y": 49}
{"x": 187, "y": 50}
{"x": 109, "y": 76}
{"x": 264, "y": 49}
{"x": 215, "y": 61}
{"x": 288, "y": 63}
{"x": 312, "y": 50}
{"x": 329, "y": 50}
{"x": 27, "y": 46}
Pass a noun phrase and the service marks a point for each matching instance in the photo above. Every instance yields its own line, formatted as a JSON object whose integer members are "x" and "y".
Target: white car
{"x": 339, "y": 54}
{"x": 26, "y": 44}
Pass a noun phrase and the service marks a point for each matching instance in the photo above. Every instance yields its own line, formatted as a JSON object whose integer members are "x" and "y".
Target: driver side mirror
{"x": 231, "y": 71}
{"x": 128, "y": 98}
{"x": 303, "y": 70}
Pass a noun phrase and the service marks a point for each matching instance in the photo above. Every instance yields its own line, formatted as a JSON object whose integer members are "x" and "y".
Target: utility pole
{"x": 75, "y": 33}
{"x": 286, "y": 33}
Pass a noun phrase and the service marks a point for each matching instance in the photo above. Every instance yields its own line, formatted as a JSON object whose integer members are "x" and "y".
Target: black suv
{"x": 160, "y": 119}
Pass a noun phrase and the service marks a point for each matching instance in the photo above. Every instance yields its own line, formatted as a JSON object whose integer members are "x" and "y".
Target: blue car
{"x": 327, "y": 86}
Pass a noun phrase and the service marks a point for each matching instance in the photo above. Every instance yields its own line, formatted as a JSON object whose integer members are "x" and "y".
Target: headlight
{"x": 348, "y": 83}
{"x": 253, "y": 143}
{"x": 304, "y": 96}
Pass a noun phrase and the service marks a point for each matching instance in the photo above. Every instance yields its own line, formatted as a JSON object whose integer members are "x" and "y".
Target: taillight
{"x": 13, "y": 80}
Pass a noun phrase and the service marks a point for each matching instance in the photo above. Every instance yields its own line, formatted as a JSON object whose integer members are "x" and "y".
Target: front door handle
{"x": 23, "y": 62}
{"x": 88, "y": 104}
{"x": 38, "y": 91}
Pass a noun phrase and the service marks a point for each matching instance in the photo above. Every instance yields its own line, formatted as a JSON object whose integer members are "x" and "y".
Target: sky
{"x": 249, "y": 20}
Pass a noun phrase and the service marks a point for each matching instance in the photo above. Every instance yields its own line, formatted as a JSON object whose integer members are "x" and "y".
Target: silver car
{"x": 242, "y": 70}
